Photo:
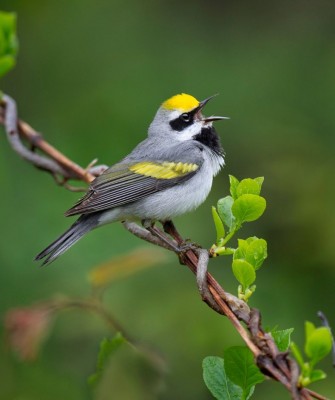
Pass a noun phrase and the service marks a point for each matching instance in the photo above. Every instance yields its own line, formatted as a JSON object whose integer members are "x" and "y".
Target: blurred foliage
{"x": 90, "y": 76}
{"x": 8, "y": 42}
{"x": 107, "y": 348}
{"x": 138, "y": 259}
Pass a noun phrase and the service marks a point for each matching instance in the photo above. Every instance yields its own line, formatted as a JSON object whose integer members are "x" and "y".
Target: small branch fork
{"x": 276, "y": 365}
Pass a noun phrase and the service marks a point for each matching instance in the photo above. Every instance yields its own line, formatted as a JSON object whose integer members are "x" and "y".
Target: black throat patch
{"x": 209, "y": 137}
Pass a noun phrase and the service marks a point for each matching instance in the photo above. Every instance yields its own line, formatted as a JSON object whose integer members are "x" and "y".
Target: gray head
{"x": 180, "y": 118}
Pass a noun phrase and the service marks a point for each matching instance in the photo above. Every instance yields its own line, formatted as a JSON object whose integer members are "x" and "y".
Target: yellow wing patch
{"x": 165, "y": 170}
{"x": 182, "y": 102}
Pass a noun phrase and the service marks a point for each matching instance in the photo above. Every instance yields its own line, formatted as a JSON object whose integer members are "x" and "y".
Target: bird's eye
{"x": 185, "y": 117}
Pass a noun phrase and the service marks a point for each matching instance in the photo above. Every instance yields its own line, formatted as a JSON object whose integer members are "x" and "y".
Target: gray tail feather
{"x": 82, "y": 226}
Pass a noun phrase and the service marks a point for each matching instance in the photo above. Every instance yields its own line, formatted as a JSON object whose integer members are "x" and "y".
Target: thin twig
{"x": 315, "y": 395}
{"x": 96, "y": 307}
{"x": 38, "y": 141}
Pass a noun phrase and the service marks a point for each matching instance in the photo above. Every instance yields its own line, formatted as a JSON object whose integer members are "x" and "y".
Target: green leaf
{"x": 309, "y": 329}
{"x": 318, "y": 344}
{"x": 241, "y": 369}
{"x": 7, "y": 22}
{"x": 233, "y": 186}
{"x": 107, "y": 348}
{"x": 6, "y": 64}
{"x": 248, "y": 207}
{"x": 248, "y": 186}
{"x": 297, "y": 354}
{"x": 241, "y": 251}
{"x": 8, "y": 41}
{"x": 257, "y": 252}
{"x": 260, "y": 181}
{"x": 317, "y": 375}
{"x": 253, "y": 250}
{"x": 282, "y": 338}
{"x": 244, "y": 273}
{"x": 216, "y": 380}
{"x": 251, "y": 392}
{"x": 220, "y": 231}
{"x": 224, "y": 208}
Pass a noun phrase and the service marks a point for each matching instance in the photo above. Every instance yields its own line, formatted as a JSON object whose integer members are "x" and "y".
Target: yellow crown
{"x": 181, "y": 102}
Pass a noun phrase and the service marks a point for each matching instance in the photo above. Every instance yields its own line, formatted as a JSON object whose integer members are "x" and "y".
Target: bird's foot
{"x": 169, "y": 242}
{"x": 174, "y": 240}
{"x": 187, "y": 245}
{"x": 183, "y": 244}
{"x": 171, "y": 230}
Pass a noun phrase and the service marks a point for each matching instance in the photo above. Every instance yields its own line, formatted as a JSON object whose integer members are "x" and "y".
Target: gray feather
{"x": 83, "y": 225}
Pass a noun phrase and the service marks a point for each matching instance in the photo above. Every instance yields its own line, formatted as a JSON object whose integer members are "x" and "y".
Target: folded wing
{"x": 126, "y": 183}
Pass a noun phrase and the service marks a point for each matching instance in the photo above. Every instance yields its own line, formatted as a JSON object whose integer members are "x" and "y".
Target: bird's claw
{"x": 187, "y": 245}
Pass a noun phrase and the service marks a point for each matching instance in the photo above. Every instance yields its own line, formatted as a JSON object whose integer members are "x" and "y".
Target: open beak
{"x": 204, "y": 102}
{"x": 213, "y": 117}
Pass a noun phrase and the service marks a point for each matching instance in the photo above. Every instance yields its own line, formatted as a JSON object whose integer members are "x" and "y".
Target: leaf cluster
{"x": 233, "y": 377}
{"x": 318, "y": 343}
{"x": 245, "y": 204}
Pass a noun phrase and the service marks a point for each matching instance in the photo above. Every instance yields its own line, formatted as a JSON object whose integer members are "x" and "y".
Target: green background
{"x": 90, "y": 76}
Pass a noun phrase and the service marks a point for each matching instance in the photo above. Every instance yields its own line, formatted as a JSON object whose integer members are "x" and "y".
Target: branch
{"x": 273, "y": 363}
{"x": 52, "y": 160}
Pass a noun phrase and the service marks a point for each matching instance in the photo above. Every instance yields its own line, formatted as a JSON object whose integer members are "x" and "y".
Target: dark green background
{"x": 90, "y": 76}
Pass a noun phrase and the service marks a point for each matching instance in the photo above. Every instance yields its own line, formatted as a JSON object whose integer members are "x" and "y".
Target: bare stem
{"x": 91, "y": 305}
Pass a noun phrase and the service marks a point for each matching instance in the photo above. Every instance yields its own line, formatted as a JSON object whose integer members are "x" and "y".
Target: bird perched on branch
{"x": 168, "y": 174}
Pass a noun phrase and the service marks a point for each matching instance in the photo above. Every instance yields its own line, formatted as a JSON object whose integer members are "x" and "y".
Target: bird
{"x": 168, "y": 174}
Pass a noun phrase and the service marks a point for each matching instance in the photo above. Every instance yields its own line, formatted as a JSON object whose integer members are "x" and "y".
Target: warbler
{"x": 167, "y": 174}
